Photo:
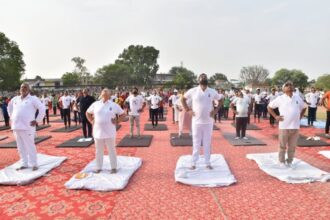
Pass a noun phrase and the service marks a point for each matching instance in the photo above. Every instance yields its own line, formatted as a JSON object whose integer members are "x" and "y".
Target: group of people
{"x": 195, "y": 109}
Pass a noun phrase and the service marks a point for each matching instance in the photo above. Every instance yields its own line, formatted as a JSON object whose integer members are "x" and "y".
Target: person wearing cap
{"x": 312, "y": 100}
{"x": 202, "y": 98}
{"x": 136, "y": 105}
{"x": 326, "y": 103}
{"x": 291, "y": 108}
{"x": 173, "y": 99}
{"x": 102, "y": 115}
{"x": 22, "y": 111}
{"x": 257, "y": 105}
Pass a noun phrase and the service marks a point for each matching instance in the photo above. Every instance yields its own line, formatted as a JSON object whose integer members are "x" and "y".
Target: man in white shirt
{"x": 66, "y": 102}
{"x": 291, "y": 108}
{"x": 312, "y": 100}
{"x": 257, "y": 105}
{"x": 173, "y": 99}
{"x": 154, "y": 107}
{"x": 45, "y": 100}
{"x": 136, "y": 106}
{"x": 22, "y": 110}
{"x": 242, "y": 104}
{"x": 269, "y": 99}
{"x": 102, "y": 114}
{"x": 202, "y": 121}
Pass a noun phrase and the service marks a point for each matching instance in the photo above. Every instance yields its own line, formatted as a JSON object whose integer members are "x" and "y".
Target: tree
{"x": 142, "y": 61}
{"x": 323, "y": 82}
{"x": 254, "y": 74}
{"x": 70, "y": 79}
{"x": 11, "y": 64}
{"x": 81, "y": 70}
{"x": 218, "y": 77}
{"x": 183, "y": 78}
{"x": 114, "y": 75}
{"x": 298, "y": 78}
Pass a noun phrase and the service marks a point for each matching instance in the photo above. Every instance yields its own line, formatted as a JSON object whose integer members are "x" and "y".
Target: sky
{"x": 211, "y": 36}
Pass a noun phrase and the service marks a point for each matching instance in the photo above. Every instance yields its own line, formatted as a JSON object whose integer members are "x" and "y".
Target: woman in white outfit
{"x": 102, "y": 114}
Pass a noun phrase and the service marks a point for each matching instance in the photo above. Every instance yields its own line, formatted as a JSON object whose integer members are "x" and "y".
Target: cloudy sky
{"x": 206, "y": 35}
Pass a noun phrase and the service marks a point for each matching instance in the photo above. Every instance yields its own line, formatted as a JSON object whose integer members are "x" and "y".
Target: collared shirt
{"x": 242, "y": 106}
{"x": 257, "y": 98}
{"x": 23, "y": 111}
{"x": 290, "y": 108}
{"x": 45, "y": 100}
{"x": 313, "y": 99}
{"x": 202, "y": 104}
{"x": 103, "y": 113}
{"x": 271, "y": 97}
{"x": 66, "y": 101}
{"x": 154, "y": 101}
{"x": 135, "y": 104}
{"x": 174, "y": 98}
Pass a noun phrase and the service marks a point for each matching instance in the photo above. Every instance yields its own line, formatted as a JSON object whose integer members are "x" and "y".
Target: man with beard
{"x": 202, "y": 117}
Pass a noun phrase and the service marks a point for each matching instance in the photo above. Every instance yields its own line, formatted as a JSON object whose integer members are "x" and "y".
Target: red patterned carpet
{"x": 152, "y": 192}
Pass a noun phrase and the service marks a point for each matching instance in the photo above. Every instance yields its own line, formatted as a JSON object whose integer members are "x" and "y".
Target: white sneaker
{"x": 236, "y": 138}
{"x": 245, "y": 138}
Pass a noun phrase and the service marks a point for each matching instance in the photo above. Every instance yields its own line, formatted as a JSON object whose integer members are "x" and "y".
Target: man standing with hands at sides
{"x": 174, "y": 98}
{"x": 312, "y": 100}
{"x": 102, "y": 114}
{"x": 46, "y": 100}
{"x": 22, "y": 110}
{"x": 291, "y": 108}
{"x": 84, "y": 102}
{"x": 66, "y": 102}
{"x": 136, "y": 106}
{"x": 326, "y": 103}
{"x": 202, "y": 117}
{"x": 154, "y": 102}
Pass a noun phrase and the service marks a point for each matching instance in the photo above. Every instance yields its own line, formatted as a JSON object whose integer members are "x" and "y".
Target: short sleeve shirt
{"x": 135, "y": 104}
{"x": 66, "y": 101}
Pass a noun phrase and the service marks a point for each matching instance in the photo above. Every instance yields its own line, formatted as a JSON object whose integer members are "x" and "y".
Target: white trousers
{"x": 26, "y": 147}
{"x": 201, "y": 136}
{"x": 99, "y": 152}
{"x": 176, "y": 114}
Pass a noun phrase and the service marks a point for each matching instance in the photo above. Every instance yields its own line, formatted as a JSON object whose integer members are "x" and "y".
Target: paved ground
{"x": 152, "y": 192}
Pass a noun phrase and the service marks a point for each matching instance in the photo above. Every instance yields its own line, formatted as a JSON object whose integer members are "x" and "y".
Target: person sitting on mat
{"x": 102, "y": 115}
{"x": 136, "y": 105}
{"x": 22, "y": 111}
{"x": 291, "y": 108}
{"x": 242, "y": 111}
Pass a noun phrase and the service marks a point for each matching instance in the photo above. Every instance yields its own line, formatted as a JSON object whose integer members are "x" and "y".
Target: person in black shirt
{"x": 84, "y": 102}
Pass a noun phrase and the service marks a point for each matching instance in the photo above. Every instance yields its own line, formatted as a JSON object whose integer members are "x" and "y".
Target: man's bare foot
{"x": 21, "y": 168}
{"x": 113, "y": 171}
{"x": 97, "y": 171}
{"x": 209, "y": 167}
{"x": 34, "y": 168}
{"x": 193, "y": 167}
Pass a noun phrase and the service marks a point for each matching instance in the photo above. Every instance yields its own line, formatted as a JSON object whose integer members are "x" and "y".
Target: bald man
{"x": 22, "y": 110}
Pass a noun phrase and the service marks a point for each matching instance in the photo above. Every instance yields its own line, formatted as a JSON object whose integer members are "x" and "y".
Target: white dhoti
{"x": 99, "y": 151}
{"x": 26, "y": 147}
{"x": 201, "y": 136}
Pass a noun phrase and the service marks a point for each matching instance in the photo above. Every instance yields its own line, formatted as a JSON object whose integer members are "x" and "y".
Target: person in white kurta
{"x": 174, "y": 98}
{"x": 202, "y": 121}
{"x": 22, "y": 110}
{"x": 102, "y": 114}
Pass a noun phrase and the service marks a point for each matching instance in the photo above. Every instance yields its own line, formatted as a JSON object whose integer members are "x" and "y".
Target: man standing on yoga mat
{"x": 312, "y": 100}
{"x": 291, "y": 108}
{"x": 154, "y": 106}
{"x": 22, "y": 110}
{"x": 102, "y": 114}
{"x": 202, "y": 111}
{"x": 136, "y": 105}
{"x": 66, "y": 102}
{"x": 84, "y": 102}
{"x": 174, "y": 98}
{"x": 326, "y": 103}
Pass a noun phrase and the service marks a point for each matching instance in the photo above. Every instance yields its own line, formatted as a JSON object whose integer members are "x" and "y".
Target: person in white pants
{"x": 102, "y": 115}
{"x": 174, "y": 98}
{"x": 202, "y": 121}
{"x": 22, "y": 110}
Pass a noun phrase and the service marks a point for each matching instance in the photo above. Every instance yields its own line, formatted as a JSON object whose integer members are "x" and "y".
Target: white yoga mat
{"x": 220, "y": 175}
{"x": 105, "y": 181}
{"x": 301, "y": 172}
{"x": 10, "y": 176}
{"x": 325, "y": 153}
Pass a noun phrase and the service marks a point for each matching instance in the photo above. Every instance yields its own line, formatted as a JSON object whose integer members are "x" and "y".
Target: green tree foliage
{"x": 70, "y": 79}
{"x": 298, "y": 78}
{"x": 222, "y": 78}
{"x": 183, "y": 78}
{"x": 11, "y": 64}
{"x": 323, "y": 82}
{"x": 142, "y": 61}
{"x": 81, "y": 70}
{"x": 254, "y": 74}
{"x": 114, "y": 75}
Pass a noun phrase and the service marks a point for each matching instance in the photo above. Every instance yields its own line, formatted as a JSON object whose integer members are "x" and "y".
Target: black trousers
{"x": 311, "y": 115}
{"x": 257, "y": 110}
{"x": 6, "y": 118}
{"x": 67, "y": 117}
{"x": 76, "y": 117}
{"x": 241, "y": 124}
{"x": 46, "y": 118}
{"x": 54, "y": 110}
{"x": 154, "y": 117}
{"x": 271, "y": 118}
{"x": 62, "y": 114}
{"x": 327, "y": 124}
{"x": 161, "y": 112}
{"x": 86, "y": 127}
